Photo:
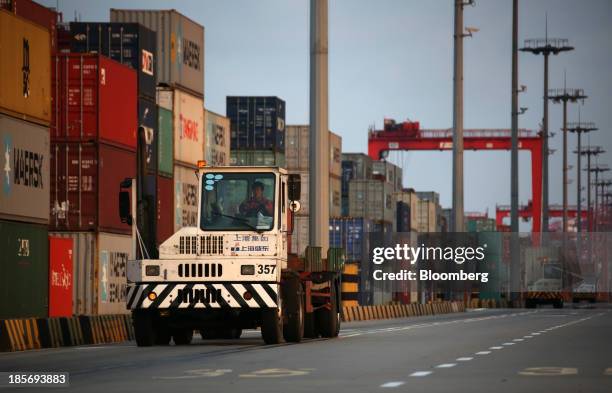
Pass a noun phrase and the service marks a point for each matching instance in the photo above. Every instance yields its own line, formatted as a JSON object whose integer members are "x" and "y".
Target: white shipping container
{"x": 188, "y": 124}
{"x": 297, "y": 144}
{"x": 372, "y": 199}
{"x": 179, "y": 58}
{"x": 410, "y": 198}
{"x": 185, "y": 197}
{"x": 99, "y": 272}
{"x": 391, "y": 172}
{"x": 217, "y": 139}
{"x": 426, "y": 216}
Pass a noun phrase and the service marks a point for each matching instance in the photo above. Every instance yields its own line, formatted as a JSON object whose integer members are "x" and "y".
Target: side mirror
{"x": 124, "y": 207}
{"x": 295, "y": 188}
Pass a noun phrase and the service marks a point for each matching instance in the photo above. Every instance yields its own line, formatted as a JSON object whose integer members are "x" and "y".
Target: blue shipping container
{"x": 352, "y": 234}
{"x": 256, "y": 123}
{"x": 403, "y": 217}
{"x": 128, "y": 43}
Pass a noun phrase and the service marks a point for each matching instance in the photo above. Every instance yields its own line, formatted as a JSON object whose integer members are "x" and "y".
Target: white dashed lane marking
{"x": 483, "y": 353}
{"x": 464, "y": 359}
{"x": 420, "y": 373}
{"x": 446, "y": 365}
{"x": 393, "y": 384}
{"x": 508, "y": 344}
{"x": 496, "y": 347}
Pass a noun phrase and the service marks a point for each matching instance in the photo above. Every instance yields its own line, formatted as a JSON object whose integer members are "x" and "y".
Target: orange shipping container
{"x": 25, "y": 69}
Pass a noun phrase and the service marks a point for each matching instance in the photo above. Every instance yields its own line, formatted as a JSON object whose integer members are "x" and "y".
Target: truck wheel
{"x": 293, "y": 331}
{"x": 558, "y": 303}
{"x": 143, "y": 328}
{"x": 271, "y": 326}
{"x": 530, "y": 303}
{"x": 182, "y": 336}
{"x": 232, "y": 333}
{"x": 293, "y": 297}
{"x": 328, "y": 320}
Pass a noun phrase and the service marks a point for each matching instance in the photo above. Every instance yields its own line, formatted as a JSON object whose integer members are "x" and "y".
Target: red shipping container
{"x": 60, "y": 277}
{"x": 85, "y": 180}
{"x": 165, "y": 209}
{"x": 36, "y": 13}
{"x": 94, "y": 99}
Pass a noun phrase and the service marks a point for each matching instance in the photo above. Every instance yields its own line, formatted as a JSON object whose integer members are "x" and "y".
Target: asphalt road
{"x": 543, "y": 350}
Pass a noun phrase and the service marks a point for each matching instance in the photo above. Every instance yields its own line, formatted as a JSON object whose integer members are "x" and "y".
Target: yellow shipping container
{"x": 25, "y": 69}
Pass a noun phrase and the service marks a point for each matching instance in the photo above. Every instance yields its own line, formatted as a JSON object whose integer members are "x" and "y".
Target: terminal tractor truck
{"x": 233, "y": 271}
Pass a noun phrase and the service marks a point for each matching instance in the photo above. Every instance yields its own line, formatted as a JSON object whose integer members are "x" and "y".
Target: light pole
{"x": 457, "y": 217}
{"x": 590, "y": 151}
{"x": 545, "y": 46}
{"x": 565, "y": 95}
{"x": 579, "y": 128}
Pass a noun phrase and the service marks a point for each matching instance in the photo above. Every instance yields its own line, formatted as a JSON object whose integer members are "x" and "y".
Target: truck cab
{"x": 231, "y": 271}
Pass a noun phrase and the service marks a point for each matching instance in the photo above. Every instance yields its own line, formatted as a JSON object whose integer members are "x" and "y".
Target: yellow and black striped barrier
{"x": 350, "y": 285}
{"x": 365, "y": 313}
{"x": 33, "y": 333}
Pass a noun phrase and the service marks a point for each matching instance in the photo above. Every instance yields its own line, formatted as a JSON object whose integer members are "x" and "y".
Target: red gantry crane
{"x": 409, "y": 136}
{"x": 526, "y": 212}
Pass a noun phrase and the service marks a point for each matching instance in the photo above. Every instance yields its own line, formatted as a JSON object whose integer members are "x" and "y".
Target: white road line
{"x": 446, "y": 365}
{"x": 483, "y": 353}
{"x": 536, "y": 334}
{"x": 393, "y": 384}
{"x": 527, "y": 336}
{"x": 496, "y": 347}
{"x": 508, "y": 343}
{"x": 464, "y": 359}
{"x": 519, "y": 339}
{"x": 420, "y": 373}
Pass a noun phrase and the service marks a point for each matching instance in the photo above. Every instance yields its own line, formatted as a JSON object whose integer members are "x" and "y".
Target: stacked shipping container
{"x": 25, "y": 113}
{"x": 297, "y": 162}
{"x": 257, "y": 130}
{"x": 355, "y": 166}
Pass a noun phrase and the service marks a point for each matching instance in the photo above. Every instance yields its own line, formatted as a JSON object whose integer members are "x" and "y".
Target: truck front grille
{"x": 200, "y": 270}
{"x": 201, "y": 245}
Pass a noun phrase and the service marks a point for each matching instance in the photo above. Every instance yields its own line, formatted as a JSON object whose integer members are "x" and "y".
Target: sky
{"x": 394, "y": 58}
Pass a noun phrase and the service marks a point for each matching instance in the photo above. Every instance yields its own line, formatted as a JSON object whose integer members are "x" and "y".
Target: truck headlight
{"x": 247, "y": 270}
{"x": 152, "y": 270}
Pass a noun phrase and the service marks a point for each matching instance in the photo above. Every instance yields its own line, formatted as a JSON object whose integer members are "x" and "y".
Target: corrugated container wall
{"x": 372, "y": 199}
{"x": 94, "y": 99}
{"x": 24, "y": 170}
{"x": 131, "y": 44}
{"x": 185, "y": 197}
{"x": 25, "y": 69}
{"x": 257, "y": 158}
{"x": 410, "y": 198}
{"x": 165, "y": 208}
{"x": 335, "y": 201}
{"x": 299, "y": 237}
{"x": 403, "y": 217}
{"x": 147, "y": 120}
{"x": 426, "y": 216}
{"x": 217, "y": 145}
{"x": 24, "y": 270}
{"x": 99, "y": 266}
{"x": 36, "y": 13}
{"x": 84, "y": 184}
{"x": 165, "y": 143}
{"x": 180, "y": 46}
{"x": 352, "y": 234}
{"x": 391, "y": 172}
{"x": 61, "y": 268}
{"x": 257, "y": 123}
{"x": 188, "y": 120}
{"x": 297, "y": 150}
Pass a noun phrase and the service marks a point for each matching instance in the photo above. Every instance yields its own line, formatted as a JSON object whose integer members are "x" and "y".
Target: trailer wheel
{"x": 271, "y": 326}
{"x": 143, "y": 328}
{"x": 328, "y": 320}
{"x": 182, "y": 336}
{"x": 310, "y": 330}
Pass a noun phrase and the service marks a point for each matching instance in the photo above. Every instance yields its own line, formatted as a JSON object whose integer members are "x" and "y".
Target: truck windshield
{"x": 552, "y": 270}
{"x": 237, "y": 201}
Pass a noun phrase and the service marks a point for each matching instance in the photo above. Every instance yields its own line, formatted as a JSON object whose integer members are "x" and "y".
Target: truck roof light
{"x": 201, "y": 164}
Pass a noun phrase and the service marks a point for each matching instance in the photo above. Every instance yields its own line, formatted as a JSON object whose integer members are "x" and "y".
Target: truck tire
{"x": 530, "y": 303}
{"x": 558, "y": 303}
{"x": 328, "y": 320}
{"x": 231, "y": 333}
{"x": 182, "y": 336}
{"x": 143, "y": 328}
{"x": 271, "y": 326}
{"x": 293, "y": 297}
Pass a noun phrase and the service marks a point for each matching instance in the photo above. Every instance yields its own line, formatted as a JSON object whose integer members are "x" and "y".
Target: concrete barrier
{"x": 365, "y": 313}
{"x": 36, "y": 333}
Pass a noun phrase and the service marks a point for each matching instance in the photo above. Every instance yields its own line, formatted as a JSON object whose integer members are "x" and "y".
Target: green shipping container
{"x": 24, "y": 270}
{"x": 257, "y": 158}
{"x": 165, "y": 148}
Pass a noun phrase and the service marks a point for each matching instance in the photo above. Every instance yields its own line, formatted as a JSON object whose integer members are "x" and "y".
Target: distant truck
{"x": 585, "y": 290}
{"x": 543, "y": 277}
{"x": 233, "y": 271}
